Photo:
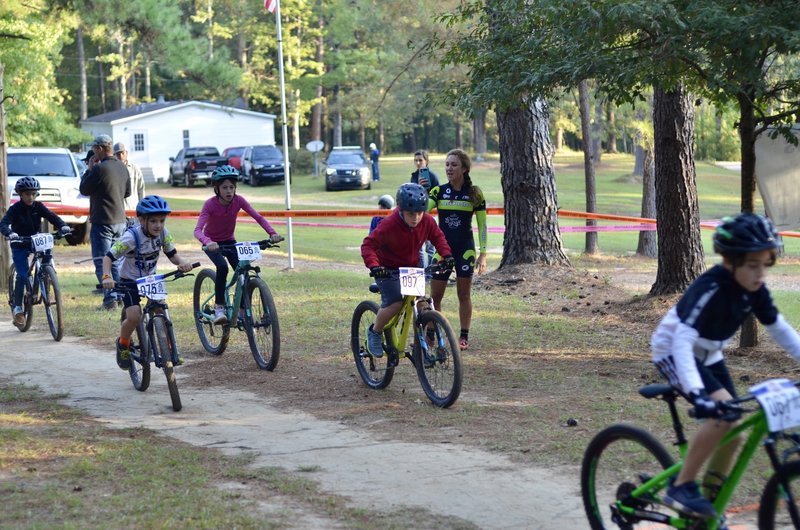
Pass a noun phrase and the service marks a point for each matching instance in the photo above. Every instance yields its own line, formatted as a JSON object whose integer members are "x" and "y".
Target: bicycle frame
{"x": 239, "y": 278}
{"x": 396, "y": 331}
{"x": 756, "y": 424}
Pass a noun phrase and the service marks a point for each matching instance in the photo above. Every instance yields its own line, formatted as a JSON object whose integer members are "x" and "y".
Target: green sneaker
{"x": 123, "y": 356}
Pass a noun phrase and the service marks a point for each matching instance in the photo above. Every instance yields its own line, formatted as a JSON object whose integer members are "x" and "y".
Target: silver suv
{"x": 347, "y": 168}
{"x": 58, "y": 176}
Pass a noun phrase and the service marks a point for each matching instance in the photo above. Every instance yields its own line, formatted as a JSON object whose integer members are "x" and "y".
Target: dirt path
{"x": 481, "y": 488}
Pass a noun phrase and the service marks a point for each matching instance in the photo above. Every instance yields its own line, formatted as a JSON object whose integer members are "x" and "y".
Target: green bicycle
{"x": 434, "y": 350}
{"x": 626, "y": 470}
{"x": 252, "y": 308}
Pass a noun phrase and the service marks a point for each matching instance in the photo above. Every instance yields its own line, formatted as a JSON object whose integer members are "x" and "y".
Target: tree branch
{"x": 403, "y": 70}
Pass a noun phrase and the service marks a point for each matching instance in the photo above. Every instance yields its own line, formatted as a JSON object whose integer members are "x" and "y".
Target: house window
{"x": 138, "y": 142}
{"x": 186, "y": 138}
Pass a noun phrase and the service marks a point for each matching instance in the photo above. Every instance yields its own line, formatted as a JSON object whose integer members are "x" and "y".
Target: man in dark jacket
{"x": 106, "y": 183}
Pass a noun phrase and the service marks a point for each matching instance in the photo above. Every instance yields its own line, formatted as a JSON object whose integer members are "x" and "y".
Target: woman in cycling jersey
{"x": 457, "y": 201}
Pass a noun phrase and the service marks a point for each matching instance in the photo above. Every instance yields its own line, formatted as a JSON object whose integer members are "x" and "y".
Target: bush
{"x": 302, "y": 162}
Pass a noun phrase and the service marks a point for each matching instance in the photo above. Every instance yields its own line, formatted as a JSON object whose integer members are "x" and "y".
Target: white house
{"x": 153, "y": 132}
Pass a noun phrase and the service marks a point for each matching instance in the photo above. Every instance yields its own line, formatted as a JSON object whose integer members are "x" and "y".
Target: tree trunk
{"x": 588, "y": 165}
{"x": 611, "y": 127}
{"x": 747, "y": 136}
{"x": 101, "y": 80}
{"x": 317, "y": 109}
{"x": 337, "y": 118}
{"x": 559, "y": 138}
{"x": 648, "y": 244}
{"x": 382, "y": 137}
{"x": 479, "y": 133}
{"x": 148, "y": 94}
{"x": 597, "y": 129}
{"x": 638, "y": 160}
{"x": 529, "y": 186}
{"x": 84, "y": 98}
{"x": 459, "y": 133}
{"x": 680, "y": 249}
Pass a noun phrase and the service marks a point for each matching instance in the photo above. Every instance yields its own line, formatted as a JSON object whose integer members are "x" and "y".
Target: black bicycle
{"x": 42, "y": 287}
{"x": 153, "y": 340}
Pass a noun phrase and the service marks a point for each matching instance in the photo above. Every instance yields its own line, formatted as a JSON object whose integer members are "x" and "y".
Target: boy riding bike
{"x": 216, "y": 225}
{"x": 24, "y": 218}
{"x": 395, "y": 243}
{"x": 141, "y": 246}
{"x": 687, "y": 346}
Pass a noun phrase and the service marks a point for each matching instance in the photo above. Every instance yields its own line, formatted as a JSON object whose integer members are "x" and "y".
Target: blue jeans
{"x": 21, "y": 264}
{"x": 101, "y": 237}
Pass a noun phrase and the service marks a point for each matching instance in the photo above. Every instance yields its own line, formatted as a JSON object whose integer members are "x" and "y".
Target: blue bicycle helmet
{"x": 747, "y": 232}
{"x": 152, "y": 205}
{"x": 224, "y": 172}
{"x": 412, "y": 198}
{"x": 27, "y": 184}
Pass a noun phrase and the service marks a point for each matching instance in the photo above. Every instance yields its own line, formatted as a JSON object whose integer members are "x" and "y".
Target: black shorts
{"x": 128, "y": 294}
{"x": 714, "y": 376}
{"x": 464, "y": 256}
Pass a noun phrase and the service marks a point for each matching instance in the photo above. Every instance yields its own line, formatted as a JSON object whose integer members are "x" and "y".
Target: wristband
{"x": 106, "y": 276}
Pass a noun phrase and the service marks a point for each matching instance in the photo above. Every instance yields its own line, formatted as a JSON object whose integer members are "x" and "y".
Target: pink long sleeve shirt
{"x": 217, "y": 222}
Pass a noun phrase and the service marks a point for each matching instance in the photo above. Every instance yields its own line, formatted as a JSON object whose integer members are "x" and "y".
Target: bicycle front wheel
{"x": 438, "y": 360}
{"x": 775, "y": 511}
{"x": 166, "y": 349}
{"x": 140, "y": 356}
{"x": 213, "y": 337}
{"x": 619, "y": 459}
{"x": 27, "y": 299}
{"x": 263, "y": 331}
{"x": 374, "y": 371}
{"x": 51, "y": 299}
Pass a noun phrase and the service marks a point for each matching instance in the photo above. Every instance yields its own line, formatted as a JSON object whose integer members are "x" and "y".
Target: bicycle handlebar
{"x": 177, "y": 273}
{"x": 28, "y": 239}
{"x": 263, "y": 244}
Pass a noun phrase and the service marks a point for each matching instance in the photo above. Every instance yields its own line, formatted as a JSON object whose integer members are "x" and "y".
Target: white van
{"x": 58, "y": 176}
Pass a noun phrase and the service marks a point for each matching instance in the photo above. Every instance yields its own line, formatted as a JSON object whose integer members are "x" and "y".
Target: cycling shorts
{"x": 714, "y": 376}
{"x": 464, "y": 256}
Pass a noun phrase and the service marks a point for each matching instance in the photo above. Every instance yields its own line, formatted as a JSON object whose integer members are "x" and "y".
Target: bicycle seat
{"x": 657, "y": 391}
{"x": 373, "y": 288}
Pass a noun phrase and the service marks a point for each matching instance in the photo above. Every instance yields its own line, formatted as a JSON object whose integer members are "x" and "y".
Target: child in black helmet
{"x": 24, "y": 218}
{"x": 140, "y": 247}
{"x": 687, "y": 344}
{"x": 385, "y": 202}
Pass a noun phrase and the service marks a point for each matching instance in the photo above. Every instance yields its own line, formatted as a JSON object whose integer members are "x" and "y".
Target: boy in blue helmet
{"x": 141, "y": 246}
{"x": 395, "y": 243}
{"x": 24, "y": 218}
{"x": 687, "y": 346}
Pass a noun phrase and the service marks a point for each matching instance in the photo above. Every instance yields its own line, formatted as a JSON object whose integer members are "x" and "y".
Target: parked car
{"x": 347, "y": 168}
{"x": 59, "y": 178}
{"x": 262, "y": 163}
{"x": 234, "y": 156}
{"x": 79, "y": 161}
{"x": 194, "y": 163}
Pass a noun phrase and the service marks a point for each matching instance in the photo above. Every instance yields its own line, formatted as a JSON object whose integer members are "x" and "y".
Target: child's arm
{"x": 201, "y": 223}
{"x": 273, "y": 235}
{"x": 785, "y": 335}
{"x": 436, "y": 236}
{"x": 183, "y": 265}
{"x": 54, "y": 219}
{"x": 108, "y": 281}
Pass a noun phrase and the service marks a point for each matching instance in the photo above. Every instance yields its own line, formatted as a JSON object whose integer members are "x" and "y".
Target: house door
{"x": 138, "y": 152}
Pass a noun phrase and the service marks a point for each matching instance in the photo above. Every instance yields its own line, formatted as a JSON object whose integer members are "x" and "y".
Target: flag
{"x": 270, "y": 5}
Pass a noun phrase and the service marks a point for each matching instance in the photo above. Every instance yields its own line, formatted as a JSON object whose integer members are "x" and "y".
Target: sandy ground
{"x": 485, "y": 489}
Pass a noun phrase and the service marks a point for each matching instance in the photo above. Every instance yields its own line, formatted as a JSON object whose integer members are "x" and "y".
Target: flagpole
{"x": 285, "y": 133}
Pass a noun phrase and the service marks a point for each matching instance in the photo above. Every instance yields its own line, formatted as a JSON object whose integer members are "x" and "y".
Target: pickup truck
{"x": 194, "y": 163}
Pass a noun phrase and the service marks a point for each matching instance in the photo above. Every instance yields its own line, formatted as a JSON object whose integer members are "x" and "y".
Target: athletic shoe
{"x": 219, "y": 315}
{"x": 688, "y": 500}
{"x": 123, "y": 356}
{"x": 374, "y": 343}
{"x": 463, "y": 343}
{"x": 19, "y": 316}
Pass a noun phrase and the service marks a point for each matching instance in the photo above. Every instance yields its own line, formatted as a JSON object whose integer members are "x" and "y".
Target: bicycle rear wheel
{"x": 263, "y": 331}
{"x": 774, "y": 514}
{"x": 213, "y": 337}
{"x": 51, "y": 299}
{"x": 140, "y": 356}
{"x": 619, "y": 459}
{"x": 374, "y": 371}
{"x": 166, "y": 350}
{"x": 438, "y": 360}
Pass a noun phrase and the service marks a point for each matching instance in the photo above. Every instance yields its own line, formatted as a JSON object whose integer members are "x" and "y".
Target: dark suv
{"x": 347, "y": 168}
{"x": 261, "y": 164}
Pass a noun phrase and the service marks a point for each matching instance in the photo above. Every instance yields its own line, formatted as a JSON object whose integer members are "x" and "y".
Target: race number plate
{"x": 780, "y": 400}
{"x": 412, "y": 281}
{"x": 248, "y": 251}
{"x": 153, "y": 287}
{"x": 42, "y": 242}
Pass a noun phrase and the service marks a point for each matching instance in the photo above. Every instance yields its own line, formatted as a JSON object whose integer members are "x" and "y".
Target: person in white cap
{"x": 374, "y": 155}
{"x": 137, "y": 181}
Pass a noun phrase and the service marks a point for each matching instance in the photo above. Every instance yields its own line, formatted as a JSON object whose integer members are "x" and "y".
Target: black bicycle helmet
{"x": 386, "y": 201}
{"x": 152, "y": 205}
{"x": 27, "y": 184}
{"x": 224, "y": 172}
{"x": 412, "y": 198}
{"x": 747, "y": 232}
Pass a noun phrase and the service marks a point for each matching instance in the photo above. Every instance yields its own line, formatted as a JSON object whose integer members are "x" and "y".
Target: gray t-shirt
{"x": 140, "y": 262}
